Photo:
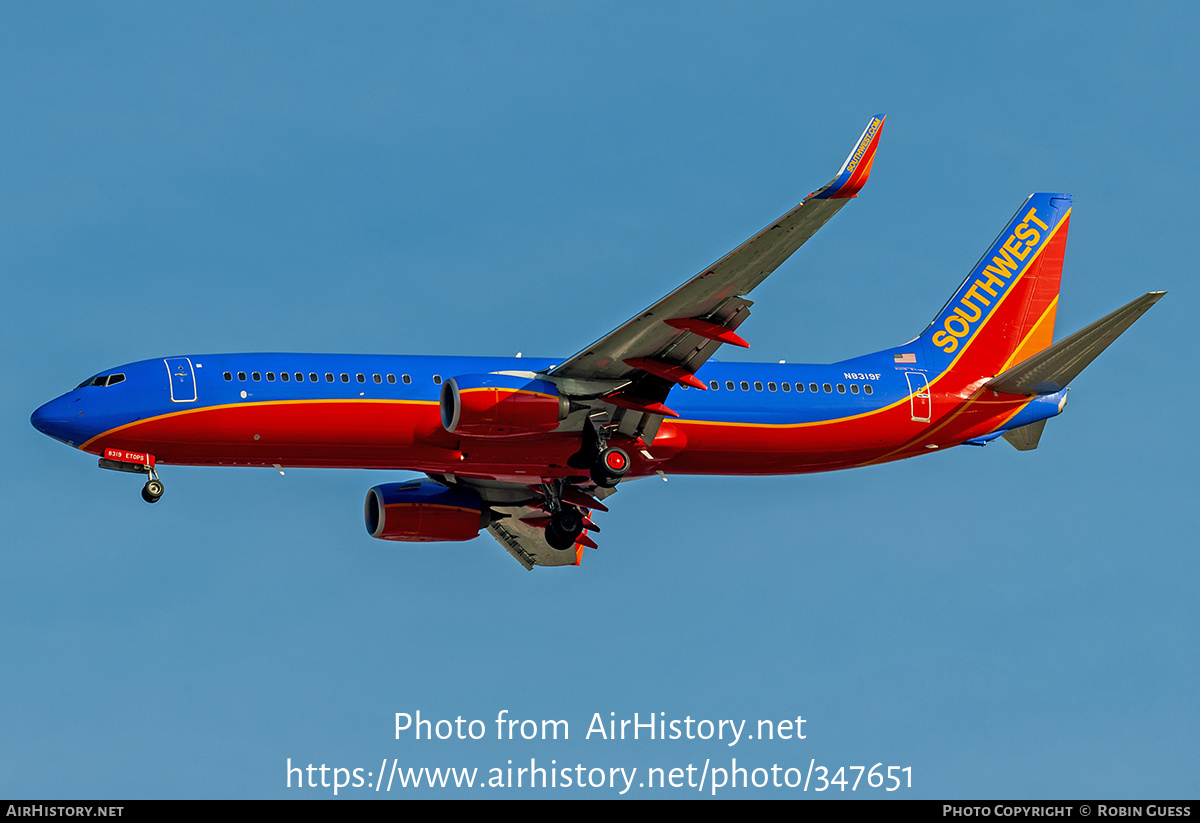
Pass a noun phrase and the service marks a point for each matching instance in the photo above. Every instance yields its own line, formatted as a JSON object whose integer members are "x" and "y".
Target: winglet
{"x": 857, "y": 168}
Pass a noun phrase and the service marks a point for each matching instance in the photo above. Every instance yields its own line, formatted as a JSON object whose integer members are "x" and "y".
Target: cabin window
{"x": 788, "y": 386}
{"x": 391, "y": 378}
{"x": 328, "y": 377}
{"x": 242, "y": 376}
{"x": 407, "y": 378}
{"x": 757, "y": 385}
{"x": 227, "y": 376}
{"x": 828, "y": 388}
{"x": 841, "y": 388}
{"x": 854, "y": 388}
{"x": 270, "y": 377}
{"x": 771, "y": 387}
{"x": 345, "y": 377}
{"x": 437, "y": 380}
{"x": 812, "y": 387}
{"x": 745, "y": 386}
{"x": 300, "y": 377}
{"x": 714, "y": 385}
{"x": 361, "y": 378}
{"x": 255, "y": 376}
{"x": 312, "y": 376}
{"x": 284, "y": 376}
{"x": 729, "y": 385}
{"x": 868, "y": 389}
{"x": 377, "y": 378}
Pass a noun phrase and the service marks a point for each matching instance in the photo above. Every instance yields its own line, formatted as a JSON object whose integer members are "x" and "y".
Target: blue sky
{"x": 493, "y": 178}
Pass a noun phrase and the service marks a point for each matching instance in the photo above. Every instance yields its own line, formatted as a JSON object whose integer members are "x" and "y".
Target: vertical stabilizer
{"x": 1003, "y": 312}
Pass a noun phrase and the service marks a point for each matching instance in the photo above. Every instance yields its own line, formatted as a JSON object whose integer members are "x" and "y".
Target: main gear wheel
{"x": 611, "y": 465}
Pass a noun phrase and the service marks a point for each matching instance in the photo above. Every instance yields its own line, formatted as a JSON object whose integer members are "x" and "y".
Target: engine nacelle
{"x": 423, "y": 511}
{"x": 501, "y": 405}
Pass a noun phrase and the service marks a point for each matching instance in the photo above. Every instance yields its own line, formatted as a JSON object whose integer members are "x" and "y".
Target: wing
{"x": 617, "y": 385}
{"x": 637, "y": 364}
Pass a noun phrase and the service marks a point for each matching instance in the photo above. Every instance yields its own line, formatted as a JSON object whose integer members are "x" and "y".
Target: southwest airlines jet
{"x": 529, "y": 448}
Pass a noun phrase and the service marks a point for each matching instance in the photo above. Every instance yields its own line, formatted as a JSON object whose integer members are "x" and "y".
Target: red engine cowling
{"x": 501, "y": 405}
{"x": 423, "y": 511}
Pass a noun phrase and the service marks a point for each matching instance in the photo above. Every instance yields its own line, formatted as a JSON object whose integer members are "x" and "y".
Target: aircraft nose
{"x": 54, "y": 419}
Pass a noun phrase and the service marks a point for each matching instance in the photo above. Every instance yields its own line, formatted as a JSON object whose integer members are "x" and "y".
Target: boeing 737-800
{"x": 529, "y": 448}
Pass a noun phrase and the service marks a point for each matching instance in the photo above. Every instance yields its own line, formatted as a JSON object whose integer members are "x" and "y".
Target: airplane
{"x": 529, "y": 448}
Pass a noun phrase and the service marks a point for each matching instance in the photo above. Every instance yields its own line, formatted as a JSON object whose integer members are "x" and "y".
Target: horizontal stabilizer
{"x": 1026, "y": 437}
{"x": 1052, "y": 369}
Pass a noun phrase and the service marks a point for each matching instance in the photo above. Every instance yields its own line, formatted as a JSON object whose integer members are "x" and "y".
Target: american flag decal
{"x": 905, "y": 358}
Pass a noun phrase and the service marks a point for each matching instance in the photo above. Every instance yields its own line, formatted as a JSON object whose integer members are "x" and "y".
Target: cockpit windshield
{"x": 102, "y": 380}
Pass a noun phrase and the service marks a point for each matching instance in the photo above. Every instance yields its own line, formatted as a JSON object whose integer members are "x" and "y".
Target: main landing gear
{"x": 605, "y": 464}
{"x": 610, "y": 466}
{"x": 564, "y": 529}
{"x": 568, "y": 507}
{"x": 568, "y": 504}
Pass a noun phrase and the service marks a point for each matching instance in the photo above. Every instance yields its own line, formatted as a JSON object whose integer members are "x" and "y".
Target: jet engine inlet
{"x": 501, "y": 405}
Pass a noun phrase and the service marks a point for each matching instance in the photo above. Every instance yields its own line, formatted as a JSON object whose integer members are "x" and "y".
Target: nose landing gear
{"x": 153, "y": 489}
{"x": 137, "y": 463}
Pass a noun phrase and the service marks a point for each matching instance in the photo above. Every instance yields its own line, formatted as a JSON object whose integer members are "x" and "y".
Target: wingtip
{"x": 857, "y": 169}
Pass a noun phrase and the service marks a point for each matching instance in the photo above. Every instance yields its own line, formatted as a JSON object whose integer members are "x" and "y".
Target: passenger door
{"x": 183, "y": 379}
